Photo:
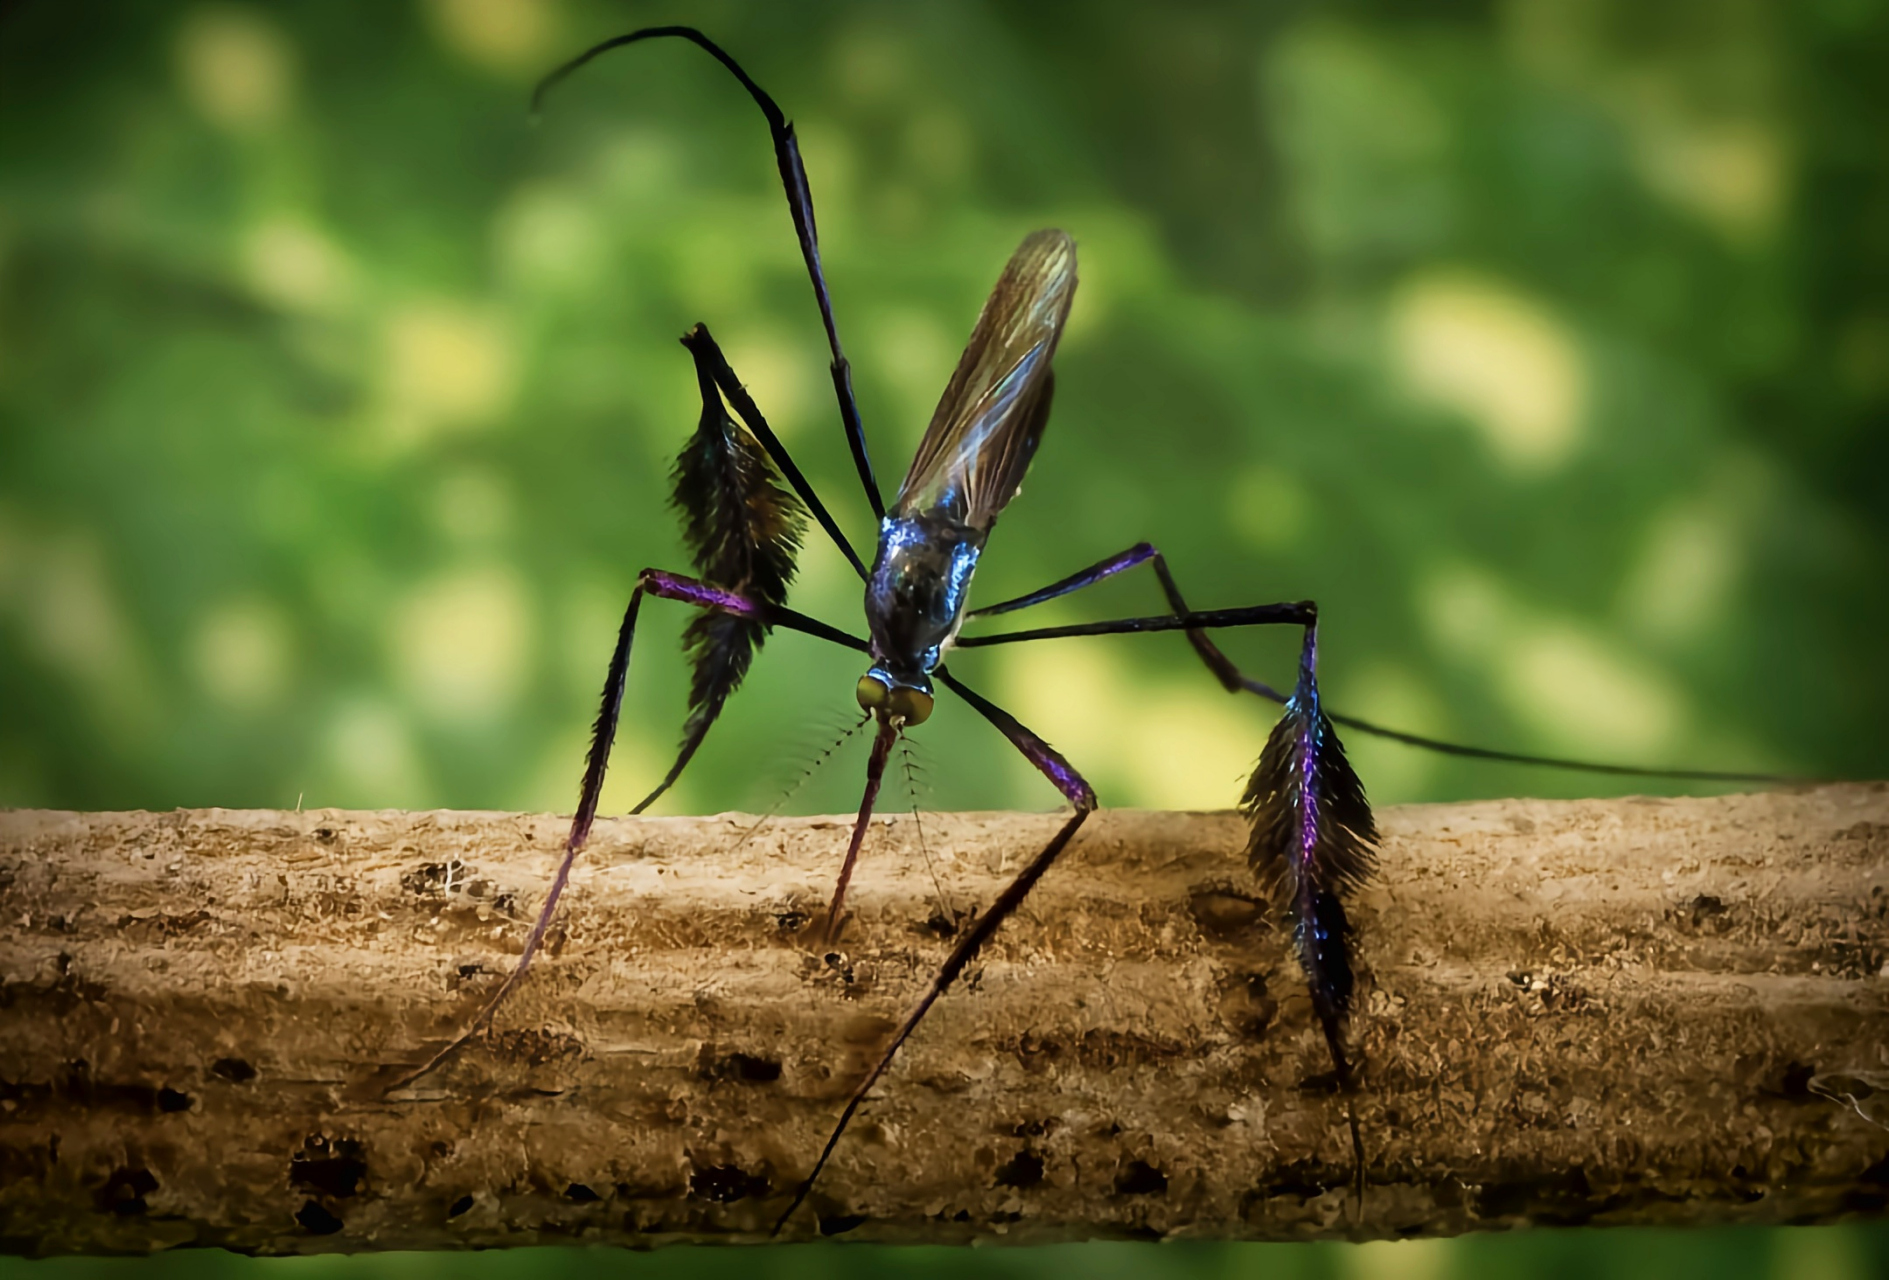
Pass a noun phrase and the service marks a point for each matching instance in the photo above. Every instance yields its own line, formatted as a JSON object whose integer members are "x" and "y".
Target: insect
{"x": 745, "y": 507}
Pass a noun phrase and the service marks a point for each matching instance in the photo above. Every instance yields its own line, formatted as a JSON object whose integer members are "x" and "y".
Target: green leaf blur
{"x": 1544, "y": 343}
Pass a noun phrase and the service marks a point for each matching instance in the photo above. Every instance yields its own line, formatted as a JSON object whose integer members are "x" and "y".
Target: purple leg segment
{"x": 1079, "y": 793}
{"x": 668, "y": 586}
{"x": 1140, "y": 553}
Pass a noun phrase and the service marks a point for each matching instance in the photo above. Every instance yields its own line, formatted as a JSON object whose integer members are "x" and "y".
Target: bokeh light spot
{"x": 1400, "y": 1260}
{"x": 1687, "y": 566}
{"x": 1466, "y": 611}
{"x": 1503, "y": 361}
{"x": 913, "y": 351}
{"x": 1267, "y": 507}
{"x": 1164, "y": 745}
{"x": 463, "y": 642}
{"x": 508, "y": 37}
{"x": 241, "y": 653}
{"x": 785, "y": 379}
{"x": 1584, "y": 694}
{"x": 473, "y": 506}
{"x": 1394, "y": 696}
{"x": 236, "y": 68}
{"x": 547, "y": 238}
{"x": 447, "y": 365}
{"x": 374, "y": 763}
{"x": 294, "y": 265}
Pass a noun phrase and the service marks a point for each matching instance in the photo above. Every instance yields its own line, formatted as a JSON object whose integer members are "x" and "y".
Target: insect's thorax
{"x": 915, "y": 595}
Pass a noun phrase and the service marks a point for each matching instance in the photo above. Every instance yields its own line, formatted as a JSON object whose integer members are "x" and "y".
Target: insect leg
{"x": 1234, "y": 680}
{"x": 714, "y": 374}
{"x": 1101, "y": 570}
{"x": 800, "y": 205}
{"x": 1076, "y": 790}
{"x": 669, "y": 586}
{"x": 1312, "y": 834}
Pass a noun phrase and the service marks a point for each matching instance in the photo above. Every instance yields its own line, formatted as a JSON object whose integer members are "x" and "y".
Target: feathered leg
{"x": 1314, "y": 840}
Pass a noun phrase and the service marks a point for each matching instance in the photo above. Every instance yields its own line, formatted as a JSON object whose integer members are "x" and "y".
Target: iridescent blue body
{"x": 916, "y": 593}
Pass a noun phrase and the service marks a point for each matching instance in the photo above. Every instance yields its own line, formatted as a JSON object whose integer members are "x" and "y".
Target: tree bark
{"x": 1622, "y": 1011}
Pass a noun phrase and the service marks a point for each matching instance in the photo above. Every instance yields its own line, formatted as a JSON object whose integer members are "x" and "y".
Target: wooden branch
{"x": 1646, "y": 1011}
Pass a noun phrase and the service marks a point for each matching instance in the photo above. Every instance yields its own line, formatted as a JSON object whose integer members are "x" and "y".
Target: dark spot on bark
{"x": 727, "y": 1183}
{"x": 1224, "y": 915}
{"x": 578, "y": 1193}
{"x": 426, "y": 880}
{"x": 1300, "y": 1178}
{"x": 80, "y": 1086}
{"x": 1034, "y": 1128}
{"x": 838, "y": 1224}
{"x": 1706, "y": 905}
{"x": 124, "y": 1192}
{"x": 324, "y": 834}
{"x": 334, "y": 1169}
{"x": 170, "y": 1100}
{"x": 1870, "y": 833}
{"x": 1325, "y": 1082}
{"x": 162, "y": 925}
{"x": 1025, "y": 1169}
{"x": 790, "y": 921}
{"x": 1247, "y": 1006}
{"x": 1877, "y": 1174}
{"x": 1564, "y": 1198}
{"x": 743, "y": 1068}
{"x": 1144, "y": 1233}
{"x": 317, "y": 1220}
{"x": 534, "y": 1047}
{"x": 1096, "y": 1049}
{"x": 937, "y": 925}
{"x": 441, "y": 1150}
{"x": 62, "y": 995}
{"x": 471, "y": 970}
{"x": 1796, "y": 1082}
{"x": 459, "y": 1206}
{"x": 234, "y": 1070}
{"x": 1140, "y": 1178}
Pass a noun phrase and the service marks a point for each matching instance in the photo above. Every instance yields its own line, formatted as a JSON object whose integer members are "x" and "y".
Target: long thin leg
{"x": 800, "y": 205}
{"x": 1077, "y": 791}
{"x": 668, "y": 586}
{"x": 1235, "y": 680}
{"x": 709, "y": 360}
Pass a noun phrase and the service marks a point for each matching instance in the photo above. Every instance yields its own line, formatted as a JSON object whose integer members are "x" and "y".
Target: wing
{"x": 987, "y": 426}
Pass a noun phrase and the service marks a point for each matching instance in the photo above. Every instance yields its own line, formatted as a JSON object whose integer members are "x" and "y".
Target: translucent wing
{"x": 987, "y": 426}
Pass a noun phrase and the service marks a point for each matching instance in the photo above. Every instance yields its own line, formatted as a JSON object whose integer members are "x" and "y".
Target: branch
{"x": 1622, "y": 1011}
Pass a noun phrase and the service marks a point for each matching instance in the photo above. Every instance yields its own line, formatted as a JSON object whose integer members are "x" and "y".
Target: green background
{"x": 1545, "y": 344}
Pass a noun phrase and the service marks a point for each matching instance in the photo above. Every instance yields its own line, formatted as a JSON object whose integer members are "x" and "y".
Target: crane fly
{"x": 745, "y": 508}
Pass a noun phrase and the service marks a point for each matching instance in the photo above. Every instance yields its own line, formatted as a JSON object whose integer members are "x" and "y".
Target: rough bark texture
{"x": 1647, "y": 1011}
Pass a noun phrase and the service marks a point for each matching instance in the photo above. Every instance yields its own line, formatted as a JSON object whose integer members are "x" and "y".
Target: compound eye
{"x": 914, "y": 705}
{"x": 872, "y": 693}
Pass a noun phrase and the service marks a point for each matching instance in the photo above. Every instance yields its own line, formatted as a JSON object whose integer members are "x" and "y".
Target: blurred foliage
{"x": 1545, "y": 344}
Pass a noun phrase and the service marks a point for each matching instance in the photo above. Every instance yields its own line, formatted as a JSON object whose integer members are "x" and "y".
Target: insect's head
{"x": 889, "y": 697}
